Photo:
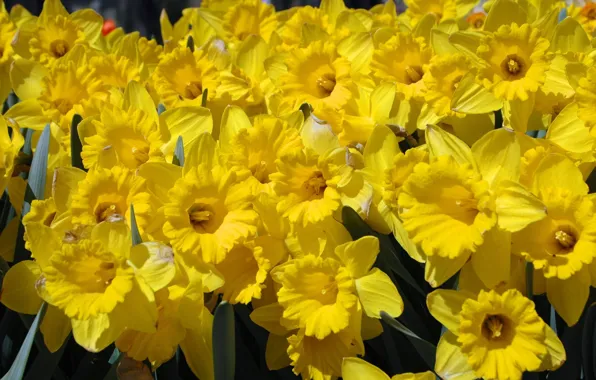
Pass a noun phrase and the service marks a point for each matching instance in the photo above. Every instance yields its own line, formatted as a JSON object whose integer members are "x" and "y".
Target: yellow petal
{"x": 96, "y": 333}
{"x": 468, "y": 280}
{"x": 188, "y": 122}
{"x": 516, "y": 113}
{"x": 381, "y": 148}
{"x": 492, "y": 260}
{"x": 504, "y": 12}
{"x": 471, "y": 97}
{"x": 155, "y": 264}
{"x": 359, "y": 256}
{"x": 556, "y": 355}
{"x": 234, "y": 119}
{"x": 51, "y": 9}
{"x": 558, "y": 293}
{"x": 517, "y": 207}
{"x": 252, "y": 53}
{"x": 55, "y": 328}
{"x": 358, "y": 48}
{"x": 443, "y": 143}
{"x": 90, "y": 23}
{"x": 16, "y": 193}
{"x": 318, "y": 136}
{"x": 467, "y": 43}
{"x": 43, "y": 242}
{"x": 570, "y": 36}
{"x": 440, "y": 42}
{"x": 357, "y": 369}
{"x": 332, "y": 8}
{"x": 439, "y": 269}
{"x": 424, "y": 26}
{"x": 202, "y": 151}
{"x": 160, "y": 177}
{"x": 428, "y": 375}
{"x": 569, "y": 132}
{"x": 451, "y": 363}
{"x": 26, "y": 77}
{"x": 378, "y": 293}
{"x": 64, "y": 185}
{"x": 445, "y": 306}
{"x": 575, "y": 71}
{"x": 28, "y": 114}
{"x": 268, "y": 317}
{"x": 276, "y": 352}
{"x": 137, "y": 96}
{"x": 556, "y": 170}
{"x": 498, "y": 156}
{"x": 197, "y": 348}
{"x": 381, "y": 101}
{"x": 18, "y": 288}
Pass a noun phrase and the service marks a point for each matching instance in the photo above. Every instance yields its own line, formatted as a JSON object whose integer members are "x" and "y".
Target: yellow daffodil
{"x": 317, "y": 75}
{"x": 554, "y": 230}
{"x": 441, "y": 9}
{"x": 7, "y": 32}
{"x": 319, "y": 294}
{"x": 402, "y": 59}
{"x": 126, "y": 135}
{"x": 355, "y": 368}
{"x": 448, "y": 204}
{"x": 290, "y": 31}
{"x": 182, "y": 76}
{"x": 249, "y": 17}
{"x": 11, "y": 142}
{"x": 56, "y": 94}
{"x": 56, "y": 32}
{"x": 488, "y": 334}
{"x": 107, "y": 194}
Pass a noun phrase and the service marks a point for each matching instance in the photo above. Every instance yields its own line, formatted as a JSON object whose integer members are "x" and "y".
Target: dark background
{"x": 143, "y": 15}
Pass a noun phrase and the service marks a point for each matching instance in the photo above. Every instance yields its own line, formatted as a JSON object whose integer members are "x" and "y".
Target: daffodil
{"x": 319, "y": 294}
{"x": 441, "y": 9}
{"x": 11, "y": 142}
{"x": 290, "y": 31}
{"x": 56, "y": 94}
{"x": 182, "y": 76}
{"x": 355, "y": 368}
{"x": 7, "y": 32}
{"x": 56, "y": 32}
{"x": 249, "y": 17}
{"x": 317, "y": 75}
{"x": 447, "y": 205}
{"x": 488, "y": 333}
{"x": 554, "y": 230}
{"x": 403, "y": 59}
{"x": 586, "y": 15}
{"x": 107, "y": 195}
{"x": 126, "y": 135}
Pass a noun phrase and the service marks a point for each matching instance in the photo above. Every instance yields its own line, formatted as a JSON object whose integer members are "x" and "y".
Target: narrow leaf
{"x": 354, "y": 224}
{"x": 136, "y": 236}
{"x": 17, "y": 369}
{"x": 529, "y": 280}
{"x": 204, "y": 98}
{"x": 76, "y": 146}
{"x": 190, "y": 43}
{"x": 425, "y": 349}
{"x": 588, "y": 343}
{"x": 160, "y": 109}
{"x": 178, "y": 158}
{"x": 37, "y": 174}
{"x": 224, "y": 342}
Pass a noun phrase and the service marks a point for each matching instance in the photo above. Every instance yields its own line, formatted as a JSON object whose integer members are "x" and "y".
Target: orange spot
{"x": 476, "y": 20}
{"x": 108, "y": 26}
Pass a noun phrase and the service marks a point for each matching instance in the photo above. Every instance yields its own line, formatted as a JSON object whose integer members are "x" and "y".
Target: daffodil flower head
{"x": 7, "y": 30}
{"x": 54, "y": 39}
{"x": 317, "y": 75}
{"x": 586, "y": 98}
{"x": 489, "y": 330}
{"x": 115, "y": 71}
{"x": 209, "y": 212}
{"x": 302, "y": 184}
{"x": 442, "y": 9}
{"x": 356, "y": 368}
{"x": 291, "y": 31}
{"x": 107, "y": 194}
{"x": 249, "y": 17}
{"x": 446, "y": 207}
{"x": 182, "y": 76}
{"x": 514, "y": 61}
{"x": 122, "y": 137}
{"x": 402, "y": 59}
{"x": 441, "y": 80}
{"x": 397, "y": 174}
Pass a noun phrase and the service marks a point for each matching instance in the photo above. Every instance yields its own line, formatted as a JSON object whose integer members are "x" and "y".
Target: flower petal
{"x": 356, "y": 369}
{"x": 517, "y": 207}
{"x": 18, "y": 288}
{"x": 492, "y": 260}
{"x": 55, "y": 328}
{"x": 451, "y": 363}
{"x": 558, "y": 293}
{"x": 445, "y": 306}
{"x": 359, "y": 256}
{"x": 378, "y": 293}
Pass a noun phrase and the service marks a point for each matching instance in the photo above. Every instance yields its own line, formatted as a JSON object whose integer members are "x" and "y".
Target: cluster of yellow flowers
{"x": 231, "y": 149}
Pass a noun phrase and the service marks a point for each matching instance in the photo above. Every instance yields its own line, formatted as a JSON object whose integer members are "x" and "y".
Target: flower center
{"x": 493, "y": 327}
{"x": 413, "y": 74}
{"x": 260, "y": 172}
{"x": 565, "y": 239}
{"x": 193, "y": 90}
{"x": 200, "y": 215}
{"x": 62, "y": 105}
{"x": 106, "y": 273}
{"x": 589, "y": 11}
{"x": 326, "y": 83}
{"x": 106, "y": 211}
{"x": 316, "y": 184}
{"x": 59, "y": 48}
{"x": 513, "y": 66}
{"x": 141, "y": 155}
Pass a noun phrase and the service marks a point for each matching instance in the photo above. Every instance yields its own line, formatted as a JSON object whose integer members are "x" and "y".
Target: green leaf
{"x": 114, "y": 360}
{"x": 160, "y": 109}
{"x": 204, "y": 98}
{"x": 136, "y": 236}
{"x": 17, "y": 369}
{"x": 76, "y": 147}
{"x": 178, "y": 158}
{"x": 190, "y": 43}
{"x": 45, "y": 366}
{"x": 354, "y": 224}
{"x": 425, "y": 349}
{"x": 306, "y": 110}
{"x": 37, "y": 174}
{"x": 588, "y": 340}
{"x": 224, "y": 342}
